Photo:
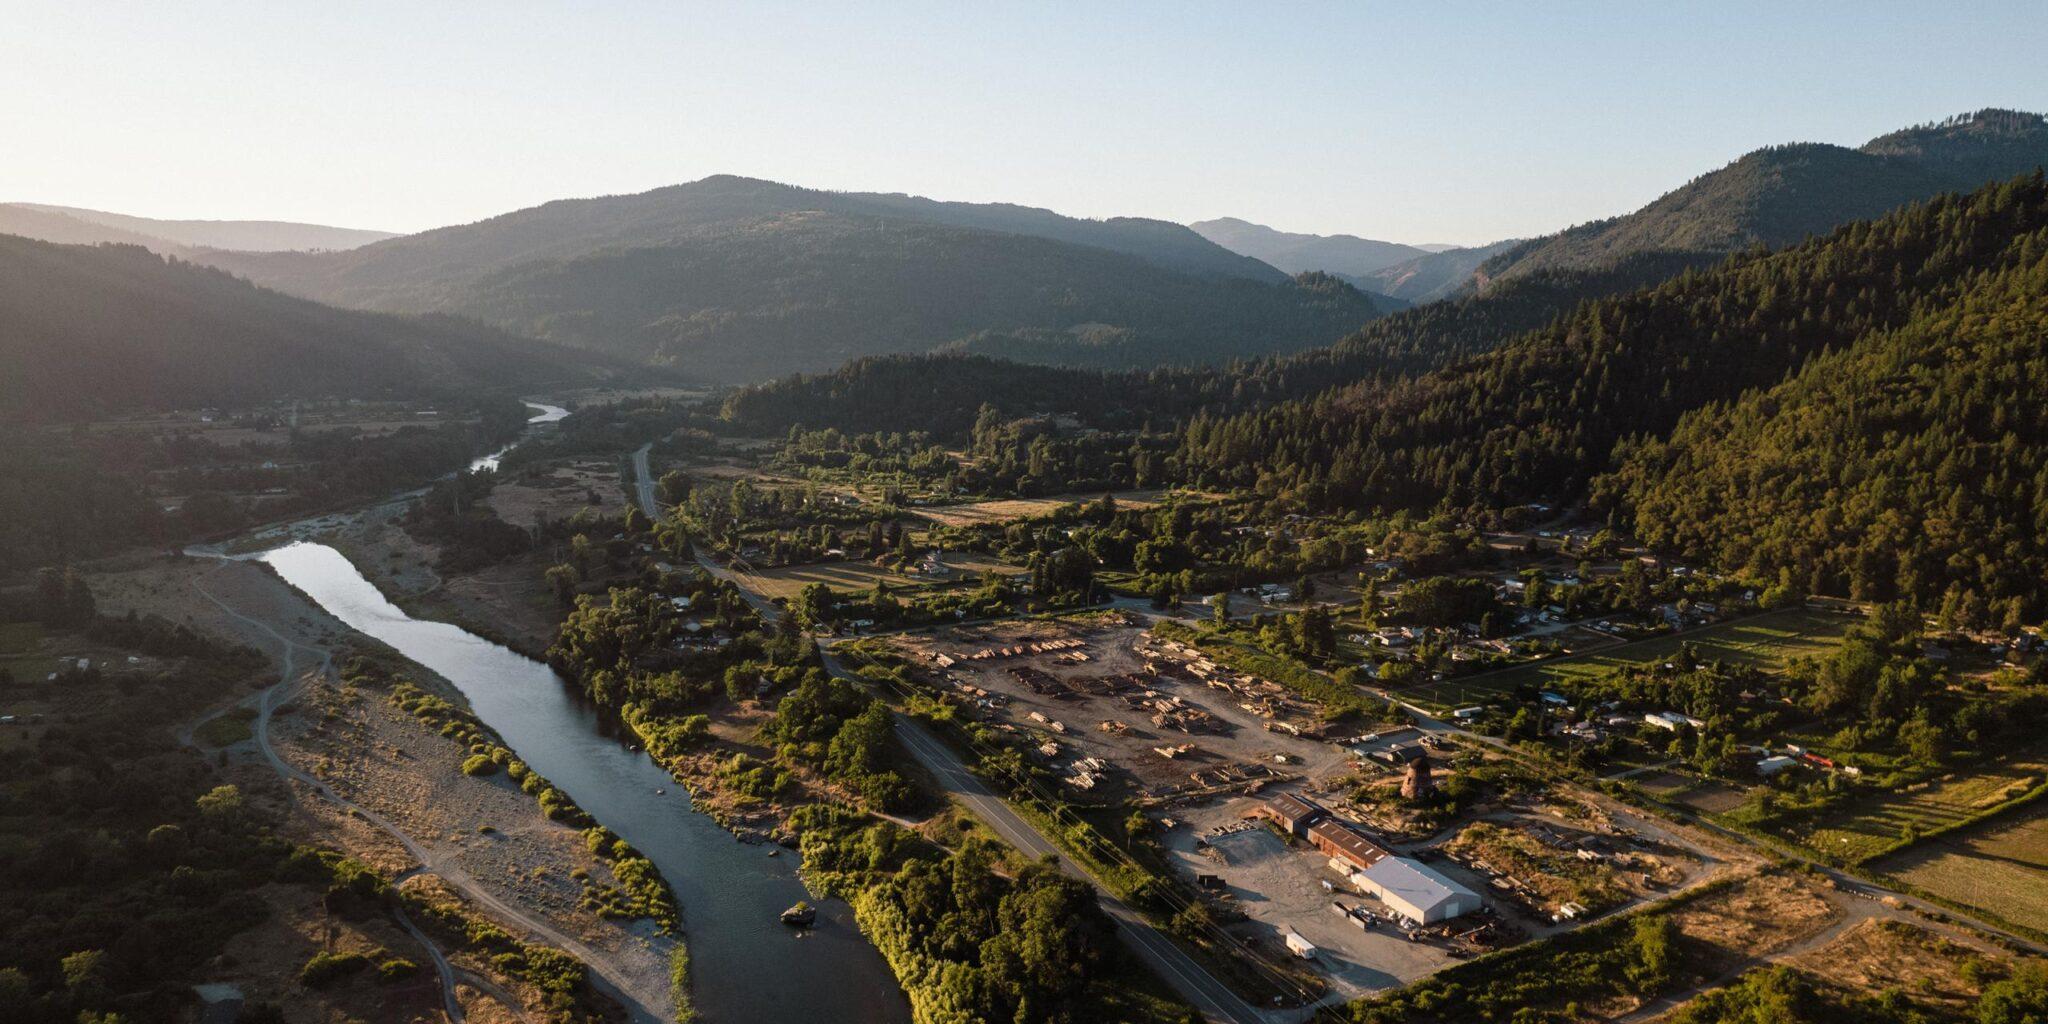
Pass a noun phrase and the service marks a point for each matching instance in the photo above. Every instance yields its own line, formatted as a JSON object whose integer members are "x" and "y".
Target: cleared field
{"x": 849, "y": 577}
{"x": 1768, "y": 641}
{"x": 21, "y": 651}
{"x": 1866, "y": 827}
{"x": 2000, "y": 866}
{"x": 990, "y": 513}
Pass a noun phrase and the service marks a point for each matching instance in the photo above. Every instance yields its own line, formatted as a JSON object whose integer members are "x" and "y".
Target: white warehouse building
{"x": 1415, "y": 890}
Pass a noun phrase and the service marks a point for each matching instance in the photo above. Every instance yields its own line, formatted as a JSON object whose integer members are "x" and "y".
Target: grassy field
{"x": 992, "y": 513}
{"x": 2000, "y": 866}
{"x": 850, "y": 577}
{"x": 1867, "y": 828}
{"x": 1769, "y": 640}
{"x": 21, "y": 651}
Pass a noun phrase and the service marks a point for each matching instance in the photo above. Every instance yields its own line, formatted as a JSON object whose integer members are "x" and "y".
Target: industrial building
{"x": 1408, "y": 887}
{"x": 1415, "y": 890}
{"x": 1292, "y": 813}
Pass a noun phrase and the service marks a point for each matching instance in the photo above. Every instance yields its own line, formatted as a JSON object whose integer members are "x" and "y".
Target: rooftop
{"x": 1348, "y": 843}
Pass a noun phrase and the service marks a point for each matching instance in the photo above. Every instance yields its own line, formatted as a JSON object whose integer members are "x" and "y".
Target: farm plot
{"x": 995, "y": 513}
{"x": 1870, "y": 828}
{"x": 1768, "y": 641}
{"x": 2000, "y": 866}
{"x": 851, "y": 577}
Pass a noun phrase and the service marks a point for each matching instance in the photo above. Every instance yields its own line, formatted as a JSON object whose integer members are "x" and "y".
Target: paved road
{"x": 1194, "y": 983}
{"x": 643, "y": 483}
{"x": 644, "y": 1005}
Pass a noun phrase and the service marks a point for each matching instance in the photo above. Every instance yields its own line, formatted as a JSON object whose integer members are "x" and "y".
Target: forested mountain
{"x": 1542, "y": 417}
{"x": 1347, "y": 256}
{"x": 738, "y": 279}
{"x": 1432, "y": 275}
{"x": 174, "y": 237}
{"x": 1782, "y": 194}
{"x": 89, "y": 330}
{"x": 941, "y": 393}
{"x": 1914, "y": 462}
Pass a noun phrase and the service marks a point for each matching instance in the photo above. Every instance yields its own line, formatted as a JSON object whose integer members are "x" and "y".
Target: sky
{"x": 1424, "y": 122}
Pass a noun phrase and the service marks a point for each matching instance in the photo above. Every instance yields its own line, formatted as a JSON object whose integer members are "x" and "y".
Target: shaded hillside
{"x": 1431, "y": 276}
{"x": 940, "y": 393}
{"x": 416, "y": 271}
{"x": 1540, "y": 417}
{"x": 740, "y": 280}
{"x": 90, "y": 330}
{"x": 1348, "y": 256}
{"x": 74, "y": 226}
{"x": 1782, "y": 194}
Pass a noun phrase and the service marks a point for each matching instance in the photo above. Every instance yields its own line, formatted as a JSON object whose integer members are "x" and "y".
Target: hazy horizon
{"x": 1383, "y": 124}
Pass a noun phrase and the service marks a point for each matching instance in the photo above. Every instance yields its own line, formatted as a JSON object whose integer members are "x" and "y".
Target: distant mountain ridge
{"x": 1432, "y": 275}
{"x": 1348, "y": 256}
{"x": 1408, "y": 274}
{"x": 1781, "y": 194}
{"x": 74, "y": 226}
{"x": 95, "y": 330}
{"x": 740, "y": 279}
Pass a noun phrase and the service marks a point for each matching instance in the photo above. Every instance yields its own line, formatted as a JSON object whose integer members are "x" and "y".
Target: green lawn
{"x": 1769, "y": 640}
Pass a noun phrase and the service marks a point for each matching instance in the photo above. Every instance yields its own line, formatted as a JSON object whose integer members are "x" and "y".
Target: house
{"x": 1401, "y": 754}
{"x": 1468, "y": 714}
{"x": 1770, "y": 766}
{"x": 1671, "y": 721}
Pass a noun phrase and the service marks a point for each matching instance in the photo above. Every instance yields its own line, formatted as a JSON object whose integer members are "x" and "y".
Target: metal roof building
{"x": 1415, "y": 890}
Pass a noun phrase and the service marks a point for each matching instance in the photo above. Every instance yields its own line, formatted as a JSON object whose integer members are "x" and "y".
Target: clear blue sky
{"x": 1424, "y": 122}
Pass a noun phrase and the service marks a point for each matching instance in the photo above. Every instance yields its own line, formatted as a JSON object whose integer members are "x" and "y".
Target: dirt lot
{"x": 1233, "y": 749}
{"x": 1279, "y": 887}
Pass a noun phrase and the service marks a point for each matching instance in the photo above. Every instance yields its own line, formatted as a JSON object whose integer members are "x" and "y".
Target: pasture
{"x": 996, "y": 513}
{"x": 848, "y": 577}
{"x": 1868, "y": 827}
{"x": 2000, "y": 866}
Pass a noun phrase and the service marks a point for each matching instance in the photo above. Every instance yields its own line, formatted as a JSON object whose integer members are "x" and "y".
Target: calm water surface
{"x": 745, "y": 964}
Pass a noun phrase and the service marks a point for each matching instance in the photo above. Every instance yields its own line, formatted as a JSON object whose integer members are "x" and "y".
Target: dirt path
{"x": 644, "y": 1005}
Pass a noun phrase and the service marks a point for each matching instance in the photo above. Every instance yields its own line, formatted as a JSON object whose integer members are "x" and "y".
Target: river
{"x": 545, "y": 414}
{"x": 745, "y": 965}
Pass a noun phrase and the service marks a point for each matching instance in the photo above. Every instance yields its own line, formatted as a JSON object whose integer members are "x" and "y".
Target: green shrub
{"x": 479, "y": 765}
{"x": 327, "y": 968}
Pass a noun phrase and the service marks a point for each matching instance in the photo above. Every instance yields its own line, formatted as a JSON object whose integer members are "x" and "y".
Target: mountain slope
{"x": 74, "y": 226}
{"x": 1905, "y": 464}
{"x": 1346, "y": 255}
{"x": 739, "y": 279}
{"x": 89, "y": 330}
{"x": 1432, "y": 275}
{"x": 1777, "y": 196}
{"x": 1538, "y": 418}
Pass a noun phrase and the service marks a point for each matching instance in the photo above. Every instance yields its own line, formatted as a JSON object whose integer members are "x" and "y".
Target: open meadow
{"x": 2000, "y": 866}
